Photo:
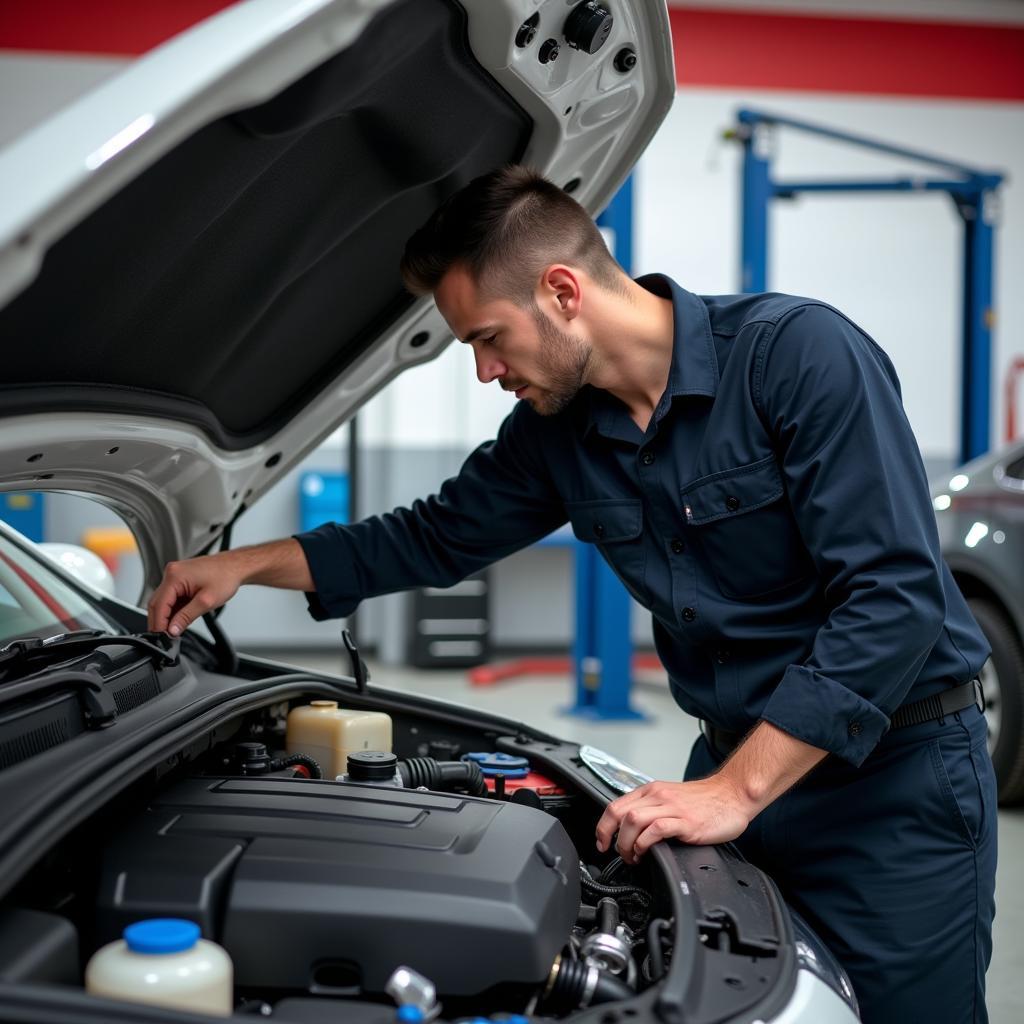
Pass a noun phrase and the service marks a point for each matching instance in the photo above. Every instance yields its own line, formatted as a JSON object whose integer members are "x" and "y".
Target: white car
{"x": 198, "y": 283}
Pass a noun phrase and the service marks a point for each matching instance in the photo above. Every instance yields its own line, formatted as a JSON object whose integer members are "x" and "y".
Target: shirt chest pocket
{"x": 615, "y": 525}
{"x": 742, "y": 521}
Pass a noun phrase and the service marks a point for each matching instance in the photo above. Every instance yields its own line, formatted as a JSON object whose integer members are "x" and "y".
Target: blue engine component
{"x": 509, "y": 765}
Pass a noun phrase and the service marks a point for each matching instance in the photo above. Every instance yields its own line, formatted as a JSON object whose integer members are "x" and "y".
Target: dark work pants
{"x": 893, "y": 865}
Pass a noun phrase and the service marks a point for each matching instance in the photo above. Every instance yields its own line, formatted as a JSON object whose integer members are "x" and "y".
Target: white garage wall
{"x": 890, "y": 262}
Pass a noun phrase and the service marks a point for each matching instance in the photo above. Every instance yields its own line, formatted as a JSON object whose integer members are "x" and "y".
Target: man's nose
{"x": 488, "y": 367}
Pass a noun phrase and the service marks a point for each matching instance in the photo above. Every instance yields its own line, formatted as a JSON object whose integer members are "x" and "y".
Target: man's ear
{"x": 560, "y": 291}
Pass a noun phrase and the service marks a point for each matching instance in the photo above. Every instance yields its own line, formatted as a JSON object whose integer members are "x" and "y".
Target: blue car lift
{"x": 603, "y": 649}
{"x": 973, "y": 192}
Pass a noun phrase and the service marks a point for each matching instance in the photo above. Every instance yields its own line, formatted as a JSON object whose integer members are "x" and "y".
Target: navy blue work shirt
{"x": 774, "y": 517}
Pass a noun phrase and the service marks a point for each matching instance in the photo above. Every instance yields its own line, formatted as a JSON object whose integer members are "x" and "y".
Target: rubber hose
{"x": 634, "y": 902}
{"x": 315, "y": 771}
{"x": 433, "y": 774}
{"x": 570, "y": 985}
{"x": 599, "y": 889}
{"x": 607, "y": 915}
{"x": 654, "y": 948}
{"x": 465, "y": 773}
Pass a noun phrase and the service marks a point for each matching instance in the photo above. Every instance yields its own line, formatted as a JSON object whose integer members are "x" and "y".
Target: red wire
{"x": 63, "y": 616}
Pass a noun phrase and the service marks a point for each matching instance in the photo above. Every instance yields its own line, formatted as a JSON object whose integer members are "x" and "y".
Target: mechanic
{"x": 745, "y": 465}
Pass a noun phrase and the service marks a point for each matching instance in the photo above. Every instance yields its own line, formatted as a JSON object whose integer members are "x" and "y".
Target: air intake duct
{"x": 443, "y": 775}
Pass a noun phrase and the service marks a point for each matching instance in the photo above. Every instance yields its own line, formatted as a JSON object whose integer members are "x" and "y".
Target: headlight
{"x": 814, "y": 956}
{"x": 622, "y": 777}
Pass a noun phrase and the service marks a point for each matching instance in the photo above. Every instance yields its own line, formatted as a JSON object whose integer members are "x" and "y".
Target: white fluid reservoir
{"x": 328, "y": 734}
{"x": 164, "y": 961}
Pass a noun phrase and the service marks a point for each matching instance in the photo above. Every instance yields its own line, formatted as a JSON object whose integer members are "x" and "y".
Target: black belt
{"x": 936, "y": 707}
{"x": 928, "y": 709}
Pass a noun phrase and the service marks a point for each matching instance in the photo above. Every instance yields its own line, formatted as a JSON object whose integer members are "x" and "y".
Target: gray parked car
{"x": 980, "y": 511}
{"x": 198, "y": 284}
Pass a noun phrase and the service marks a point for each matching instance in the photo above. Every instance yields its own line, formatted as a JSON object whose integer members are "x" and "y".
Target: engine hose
{"x": 315, "y": 771}
{"x": 575, "y": 984}
{"x": 634, "y": 902}
{"x": 433, "y": 774}
{"x": 654, "y": 947}
{"x": 607, "y": 915}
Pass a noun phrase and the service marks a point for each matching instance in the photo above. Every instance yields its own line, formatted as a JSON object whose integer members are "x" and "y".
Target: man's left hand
{"x": 703, "y": 812}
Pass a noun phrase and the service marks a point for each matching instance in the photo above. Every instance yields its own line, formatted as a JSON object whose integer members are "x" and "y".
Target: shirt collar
{"x": 694, "y": 367}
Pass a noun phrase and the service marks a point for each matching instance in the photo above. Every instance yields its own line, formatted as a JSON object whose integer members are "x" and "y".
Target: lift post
{"x": 975, "y": 195}
{"x": 603, "y": 648}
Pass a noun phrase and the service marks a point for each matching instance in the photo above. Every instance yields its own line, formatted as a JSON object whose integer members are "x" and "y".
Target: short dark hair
{"x": 505, "y": 227}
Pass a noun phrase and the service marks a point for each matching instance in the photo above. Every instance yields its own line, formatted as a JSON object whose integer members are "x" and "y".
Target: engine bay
{"x": 454, "y": 873}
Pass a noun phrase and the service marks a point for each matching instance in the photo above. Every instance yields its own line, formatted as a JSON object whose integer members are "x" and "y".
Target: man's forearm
{"x": 280, "y": 563}
{"x": 766, "y": 764}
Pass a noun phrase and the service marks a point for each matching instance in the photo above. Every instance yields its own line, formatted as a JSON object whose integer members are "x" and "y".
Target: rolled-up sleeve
{"x": 857, "y": 486}
{"x": 502, "y": 499}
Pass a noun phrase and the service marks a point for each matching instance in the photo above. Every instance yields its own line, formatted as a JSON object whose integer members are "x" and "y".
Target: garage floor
{"x": 659, "y": 746}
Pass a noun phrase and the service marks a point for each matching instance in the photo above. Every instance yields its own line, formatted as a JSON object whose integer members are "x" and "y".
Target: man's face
{"x": 522, "y": 348}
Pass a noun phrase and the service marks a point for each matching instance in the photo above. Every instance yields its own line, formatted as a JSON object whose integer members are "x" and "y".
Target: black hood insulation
{"x": 244, "y": 270}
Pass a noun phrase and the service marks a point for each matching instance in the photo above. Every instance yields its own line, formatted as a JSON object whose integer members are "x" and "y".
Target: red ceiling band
{"x": 734, "y": 48}
{"x": 714, "y": 46}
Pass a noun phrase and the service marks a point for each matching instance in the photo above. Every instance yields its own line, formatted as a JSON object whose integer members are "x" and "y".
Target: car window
{"x": 35, "y": 601}
{"x": 55, "y": 520}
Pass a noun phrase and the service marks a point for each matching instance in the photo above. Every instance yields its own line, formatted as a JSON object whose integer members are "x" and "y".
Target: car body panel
{"x": 980, "y": 515}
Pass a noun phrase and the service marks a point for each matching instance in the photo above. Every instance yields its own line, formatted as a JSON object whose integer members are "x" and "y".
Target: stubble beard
{"x": 565, "y": 361}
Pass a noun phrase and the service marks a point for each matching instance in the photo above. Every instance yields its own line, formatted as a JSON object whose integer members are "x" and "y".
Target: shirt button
{"x": 722, "y": 655}
{"x": 598, "y": 529}
{"x": 678, "y": 547}
{"x": 732, "y": 503}
{"x": 855, "y": 728}
{"x": 689, "y": 614}
{"x": 647, "y": 458}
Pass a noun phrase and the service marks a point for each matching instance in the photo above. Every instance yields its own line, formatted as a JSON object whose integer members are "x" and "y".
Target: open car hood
{"x": 199, "y": 260}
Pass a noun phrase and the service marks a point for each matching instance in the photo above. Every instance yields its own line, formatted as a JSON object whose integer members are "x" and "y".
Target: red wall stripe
{"x": 758, "y": 50}
{"x": 123, "y": 27}
{"x": 726, "y": 47}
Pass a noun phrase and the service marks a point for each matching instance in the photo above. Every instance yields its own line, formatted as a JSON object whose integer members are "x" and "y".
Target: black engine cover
{"x": 303, "y": 881}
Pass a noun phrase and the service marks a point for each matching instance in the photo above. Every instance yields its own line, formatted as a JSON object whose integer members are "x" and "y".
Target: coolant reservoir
{"x": 328, "y": 734}
{"x": 164, "y": 961}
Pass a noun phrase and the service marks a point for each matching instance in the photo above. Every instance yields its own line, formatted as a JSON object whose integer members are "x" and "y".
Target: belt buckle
{"x": 979, "y": 694}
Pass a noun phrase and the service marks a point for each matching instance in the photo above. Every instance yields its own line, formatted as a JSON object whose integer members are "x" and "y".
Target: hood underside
{"x": 212, "y": 287}
{"x": 259, "y": 257}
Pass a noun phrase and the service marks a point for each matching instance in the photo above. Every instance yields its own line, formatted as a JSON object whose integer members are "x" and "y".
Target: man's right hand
{"x": 192, "y": 588}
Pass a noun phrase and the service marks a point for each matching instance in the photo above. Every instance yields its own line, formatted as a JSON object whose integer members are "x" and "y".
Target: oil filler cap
{"x": 372, "y": 766}
{"x": 510, "y": 765}
{"x": 588, "y": 26}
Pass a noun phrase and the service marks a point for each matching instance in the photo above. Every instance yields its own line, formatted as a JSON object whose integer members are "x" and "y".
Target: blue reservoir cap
{"x": 409, "y": 1014}
{"x": 162, "y": 935}
{"x": 512, "y": 766}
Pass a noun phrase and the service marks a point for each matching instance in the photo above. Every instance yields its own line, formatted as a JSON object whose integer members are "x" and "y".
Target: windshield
{"x": 35, "y": 601}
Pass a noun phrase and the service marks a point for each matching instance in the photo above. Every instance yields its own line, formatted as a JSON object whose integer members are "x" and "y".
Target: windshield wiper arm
{"x": 98, "y": 705}
{"x": 161, "y": 647}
